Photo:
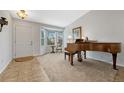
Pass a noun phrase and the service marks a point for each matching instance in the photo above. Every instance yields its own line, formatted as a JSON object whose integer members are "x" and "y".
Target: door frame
{"x": 14, "y": 38}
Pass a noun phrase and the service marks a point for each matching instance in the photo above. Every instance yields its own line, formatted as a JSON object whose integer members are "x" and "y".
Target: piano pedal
{"x": 72, "y": 64}
{"x": 80, "y": 60}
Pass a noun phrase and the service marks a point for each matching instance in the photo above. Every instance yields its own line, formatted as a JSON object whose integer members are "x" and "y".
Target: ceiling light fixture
{"x": 22, "y": 14}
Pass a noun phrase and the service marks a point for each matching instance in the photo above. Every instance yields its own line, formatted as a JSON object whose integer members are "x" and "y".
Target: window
{"x": 51, "y": 38}
{"x": 54, "y": 38}
{"x": 42, "y": 38}
{"x": 60, "y": 38}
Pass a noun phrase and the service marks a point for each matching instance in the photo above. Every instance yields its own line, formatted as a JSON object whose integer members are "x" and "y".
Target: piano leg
{"x": 79, "y": 57}
{"x": 71, "y": 58}
{"x": 65, "y": 55}
{"x": 84, "y": 54}
{"x": 114, "y": 61}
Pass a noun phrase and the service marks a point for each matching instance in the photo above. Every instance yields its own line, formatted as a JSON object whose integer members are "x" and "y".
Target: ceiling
{"x": 61, "y": 18}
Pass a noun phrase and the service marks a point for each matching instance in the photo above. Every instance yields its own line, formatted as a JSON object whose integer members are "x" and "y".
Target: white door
{"x": 23, "y": 43}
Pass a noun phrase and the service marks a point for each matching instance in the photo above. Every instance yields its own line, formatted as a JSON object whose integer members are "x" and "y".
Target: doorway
{"x": 23, "y": 41}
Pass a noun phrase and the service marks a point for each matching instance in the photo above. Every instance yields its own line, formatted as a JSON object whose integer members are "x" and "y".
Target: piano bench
{"x": 67, "y": 53}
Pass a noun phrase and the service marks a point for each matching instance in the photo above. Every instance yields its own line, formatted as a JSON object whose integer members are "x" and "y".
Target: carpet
{"x": 28, "y": 71}
{"x": 90, "y": 70}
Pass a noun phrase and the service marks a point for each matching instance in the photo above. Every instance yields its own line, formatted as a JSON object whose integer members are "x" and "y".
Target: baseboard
{"x": 35, "y": 54}
{"x": 121, "y": 65}
{"x": 43, "y": 54}
{"x": 4, "y": 67}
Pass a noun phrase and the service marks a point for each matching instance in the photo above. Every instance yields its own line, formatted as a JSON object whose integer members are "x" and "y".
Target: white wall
{"x": 5, "y": 41}
{"x": 102, "y": 26}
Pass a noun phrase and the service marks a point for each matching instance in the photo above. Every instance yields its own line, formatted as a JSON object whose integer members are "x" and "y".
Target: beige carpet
{"x": 58, "y": 69}
{"x": 52, "y": 67}
{"x": 28, "y": 71}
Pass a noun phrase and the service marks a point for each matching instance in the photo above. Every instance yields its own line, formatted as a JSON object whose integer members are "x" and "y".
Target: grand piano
{"x": 81, "y": 45}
